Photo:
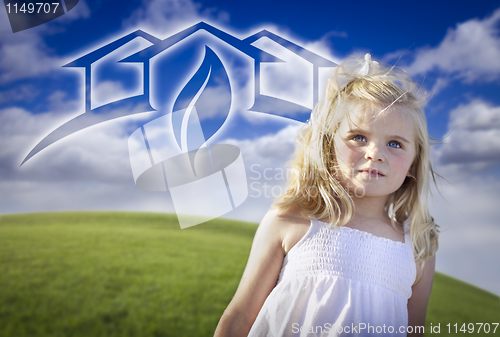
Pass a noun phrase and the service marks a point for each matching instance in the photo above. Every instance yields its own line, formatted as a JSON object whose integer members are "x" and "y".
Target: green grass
{"x": 455, "y": 302}
{"x": 137, "y": 274}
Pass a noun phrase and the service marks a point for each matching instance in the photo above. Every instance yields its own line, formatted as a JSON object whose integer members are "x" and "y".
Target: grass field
{"x": 138, "y": 274}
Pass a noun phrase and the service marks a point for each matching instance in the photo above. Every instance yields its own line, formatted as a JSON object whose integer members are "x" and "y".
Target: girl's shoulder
{"x": 289, "y": 225}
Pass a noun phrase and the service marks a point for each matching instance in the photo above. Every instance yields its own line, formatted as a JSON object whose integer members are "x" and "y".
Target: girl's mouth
{"x": 372, "y": 173}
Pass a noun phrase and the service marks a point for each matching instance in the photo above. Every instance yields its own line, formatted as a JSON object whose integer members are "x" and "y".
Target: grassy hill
{"x": 138, "y": 274}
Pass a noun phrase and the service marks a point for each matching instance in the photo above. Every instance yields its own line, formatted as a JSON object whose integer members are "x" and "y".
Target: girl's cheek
{"x": 404, "y": 161}
{"x": 356, "y": 153}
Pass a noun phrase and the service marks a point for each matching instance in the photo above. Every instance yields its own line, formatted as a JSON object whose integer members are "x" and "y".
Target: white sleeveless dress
{"x": 340, "y": 282}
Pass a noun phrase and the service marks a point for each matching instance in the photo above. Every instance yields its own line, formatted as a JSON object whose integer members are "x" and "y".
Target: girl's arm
{"x": 421, "y": 291}
{"x": 258, "y": 280}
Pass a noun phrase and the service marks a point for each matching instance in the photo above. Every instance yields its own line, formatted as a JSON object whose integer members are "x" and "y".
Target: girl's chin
{"x": 369, "y": 189}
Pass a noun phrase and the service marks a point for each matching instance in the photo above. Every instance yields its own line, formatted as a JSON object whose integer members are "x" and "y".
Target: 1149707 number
{"x": 472, "y": 328}
{"x": 32, "y": 7}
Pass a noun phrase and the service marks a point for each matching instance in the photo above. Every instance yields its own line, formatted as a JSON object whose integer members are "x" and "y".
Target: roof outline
{"x": 142, "y": 103}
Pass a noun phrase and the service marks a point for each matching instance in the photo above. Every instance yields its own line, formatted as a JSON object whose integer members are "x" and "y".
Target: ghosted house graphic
{"x": 142, "y": 103}
{"x": 263, "y": 102}
{"x": 202, "y": 177}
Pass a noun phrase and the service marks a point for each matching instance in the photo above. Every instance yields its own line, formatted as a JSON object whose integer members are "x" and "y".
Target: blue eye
{"x": 359, "y": 138}
{"x": 395, "y": 144}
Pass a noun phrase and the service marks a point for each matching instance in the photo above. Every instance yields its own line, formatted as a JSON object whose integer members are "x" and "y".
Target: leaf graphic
{"x": 204, "y": 103}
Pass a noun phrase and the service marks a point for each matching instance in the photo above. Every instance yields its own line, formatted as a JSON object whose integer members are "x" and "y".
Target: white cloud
{"x": 160, "y": 17}
{"x": 76, "y": 157}
{"x": 60, "y": 103}
{"x": 25, "y": 93}
{"x": 477, "y": 114}
{"x": 265, "y": 160}
{"x": 467, "y": 208}
{"x": 87, "y": 170}
{"x": 80, "y": 11}
{"x": 321, "y": 46}
{"x": 105, "y": 90}
{"x": 270, "y": 150}
{"x": 439, "y": 85}
{"x": 290, "y": 80}
{"x": 467, "y": 213}
{"x": 110, "y": 91}
{"x": 216, "y": 104}
{"x": 474, "y": 136}
{"x": 25, "y": 55}
{"x": 470, "y": 51}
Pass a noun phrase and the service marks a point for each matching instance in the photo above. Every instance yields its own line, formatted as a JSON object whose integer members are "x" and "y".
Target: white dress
{"x": 340, "y": 282}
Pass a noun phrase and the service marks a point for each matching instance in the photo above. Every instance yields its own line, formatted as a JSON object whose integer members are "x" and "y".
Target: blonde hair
{"x": 312, "y": 185}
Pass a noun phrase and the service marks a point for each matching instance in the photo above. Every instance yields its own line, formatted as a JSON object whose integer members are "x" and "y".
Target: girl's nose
{"x": 373, "y": 153}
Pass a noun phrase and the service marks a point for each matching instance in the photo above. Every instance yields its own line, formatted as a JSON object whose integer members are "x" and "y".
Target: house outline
{"x": 261, "y": 101}
{"x": 144, "y": 56}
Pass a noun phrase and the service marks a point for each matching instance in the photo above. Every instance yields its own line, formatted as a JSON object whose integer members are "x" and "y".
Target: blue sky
{"x": 452, "y": 48}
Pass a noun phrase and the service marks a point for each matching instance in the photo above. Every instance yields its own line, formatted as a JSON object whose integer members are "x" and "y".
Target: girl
{"x": 342, "y": 252}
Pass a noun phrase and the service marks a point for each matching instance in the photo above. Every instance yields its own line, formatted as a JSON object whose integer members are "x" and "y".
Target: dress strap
{"x": 311, "y": 230}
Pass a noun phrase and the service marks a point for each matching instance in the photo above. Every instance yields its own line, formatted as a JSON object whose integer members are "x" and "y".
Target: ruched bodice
{"x": 338, "y": 277}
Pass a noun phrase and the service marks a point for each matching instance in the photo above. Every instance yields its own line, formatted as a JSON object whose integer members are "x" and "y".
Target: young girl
{"x": 342, "y": 252}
